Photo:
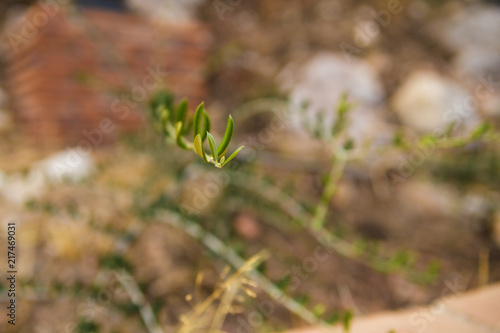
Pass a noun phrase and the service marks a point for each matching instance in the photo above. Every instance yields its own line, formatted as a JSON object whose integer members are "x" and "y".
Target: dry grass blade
{"x": 202, "y": 315}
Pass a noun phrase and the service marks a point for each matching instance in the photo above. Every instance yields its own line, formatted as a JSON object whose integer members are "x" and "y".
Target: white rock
{"x": 69, "y": 165}
{"x": 166, "y": 10}
{"x": 472, "y": 27}
{"x": 18, "y": 189}
{"x": 477, "y": 62}
{"x": 428, "y": 102}
{"x": 321, "y": 82}
{"x": 327, "y": 71}
{"x": 473, "y": 34}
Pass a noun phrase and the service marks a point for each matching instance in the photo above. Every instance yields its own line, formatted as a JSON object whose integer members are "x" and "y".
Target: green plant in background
{"x": 264, "y": 194}
{"x": 86, "y": 326}
{"x": 172, "y": 121}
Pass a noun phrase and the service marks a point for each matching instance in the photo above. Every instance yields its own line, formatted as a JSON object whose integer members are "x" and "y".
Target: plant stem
{"x": 292, "y": 208}
{"x": 336, "y": 172}
{"x": 295, "y": 210}
{"x": 147, "y": 314}
{"x": 217, "y": 246}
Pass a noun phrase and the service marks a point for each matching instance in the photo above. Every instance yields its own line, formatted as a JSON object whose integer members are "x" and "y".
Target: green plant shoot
{"x": 174, "y": 123}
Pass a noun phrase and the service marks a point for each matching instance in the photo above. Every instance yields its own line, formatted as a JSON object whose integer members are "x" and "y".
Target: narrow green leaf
{"x": 160, "y": 119}
{"x": 161, "y": 99}
{"x": 198, "y": 115}
{"x": 346, "y": 322}
{"x": 233, "y": 155}
{"x": 206, "y": 126}
{"x": 284, "y": 282}
{"x": 303, "y": 299}
{"x": 480, "y": 131}
{"x": 429, "y": 140}
{"x": 459, "y": 143}
{"x": 318, "y": 126}
{"x": 198, "y": 146}
{"x": 449, "y": 129}
{"x": 319, "y": 309}
{"x": 187, "y": 127}
{"x": 163, "y": 112}
{"x": 213, "y": 147}
{"x": 343, "y": 108}
{"x": 359, "y": 246}
{"x": 164, "y": 117}
{"x": 349, "y": 144}
{"x": 334, "y": 318}
{"x": 181, "y": 111}
{"x": 398, "y": 139}
{"x": 178, "y": 129}
{"x": 178, "y": 136}
{"x": 227, "y": 136}
{"x": 433, "y": 267}
{"x": 304, "y": 106}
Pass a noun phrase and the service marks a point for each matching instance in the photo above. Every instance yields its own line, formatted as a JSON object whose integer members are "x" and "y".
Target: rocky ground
{"x": 409, "y": 69}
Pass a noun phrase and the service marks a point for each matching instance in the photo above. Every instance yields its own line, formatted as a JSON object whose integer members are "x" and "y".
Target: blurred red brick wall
{"x": 74, "y": 69}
